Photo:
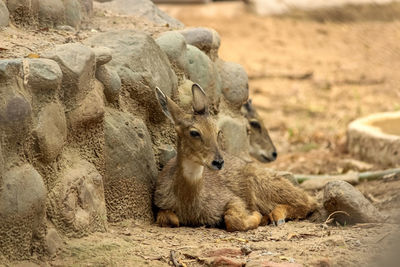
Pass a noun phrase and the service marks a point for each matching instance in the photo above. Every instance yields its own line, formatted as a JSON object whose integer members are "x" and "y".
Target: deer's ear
{"x": 199, "y": 101}
{"x": 163, "y": 101}
{"x": 170, "y": 109}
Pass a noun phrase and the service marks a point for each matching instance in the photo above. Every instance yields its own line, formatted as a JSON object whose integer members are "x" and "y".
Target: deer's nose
{"x": 274, "y": 155}
{"x": 218, "y": 163}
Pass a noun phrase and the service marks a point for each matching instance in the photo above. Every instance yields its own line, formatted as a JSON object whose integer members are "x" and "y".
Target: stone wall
{"x": 83, "y": 136}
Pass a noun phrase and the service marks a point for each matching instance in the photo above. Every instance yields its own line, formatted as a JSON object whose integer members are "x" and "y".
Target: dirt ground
{"x": 310, "y": 75}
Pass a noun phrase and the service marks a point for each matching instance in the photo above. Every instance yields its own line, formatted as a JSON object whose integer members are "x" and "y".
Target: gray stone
{"x": 144, "y": 9}
{"x": 23, "y": 12}
{"x": 205, "y": 39}
{"x": 51, "y": 12}
{"x": 111, "y": 81}
{"x": 9, "y": 68}
{"x": 51, "y": 131}
{"x": 15, "y": 106}
{"x": 103, "y": 55}
{"x": 76, "y": 202}
{"x": 22, "y": 211}
{"x": 174, "y": 46}
{"x": 90, "y": 109}
{"x": 202, "y": 70}
{"x": 130, "y": 167}
{"x": 23, "y": 191}
{"x": 44, "y": 74}
{"x": 73, "y": 14}
{"x": 185, "y": 95}
{"x": 17, "y": 110}
{"x": 139, "y": 53}
{"x": 77, "y": 63}
{"x": 234, "y": 79}
{"x": 167, "y": 152}
{"x": 235, "y": 139}
{"x": 53, "y": 242}
{"x": 4, "y": 14}
{"x": 342, "y": 196}
{"x": 87, "y": 7}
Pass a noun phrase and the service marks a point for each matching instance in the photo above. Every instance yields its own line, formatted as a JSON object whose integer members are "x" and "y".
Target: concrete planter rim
{"x": 365, "y": 124}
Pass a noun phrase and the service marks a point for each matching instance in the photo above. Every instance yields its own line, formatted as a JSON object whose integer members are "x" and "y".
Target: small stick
{"x": 174, "y": 260}
{"x": 362, "y": 176}
{"x": 383, "y": 237}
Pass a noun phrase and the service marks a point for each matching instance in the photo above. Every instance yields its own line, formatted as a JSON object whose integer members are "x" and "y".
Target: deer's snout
{"x": 218, "y": 162}
{"x": 270, "y": 157}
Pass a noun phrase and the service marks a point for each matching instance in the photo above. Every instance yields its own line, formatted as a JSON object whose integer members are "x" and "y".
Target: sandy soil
{"x": 310, "y": 75}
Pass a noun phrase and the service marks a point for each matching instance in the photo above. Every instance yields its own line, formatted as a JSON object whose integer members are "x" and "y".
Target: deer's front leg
{"x": 238, "y": 218}
{"x": 167, "y": 218}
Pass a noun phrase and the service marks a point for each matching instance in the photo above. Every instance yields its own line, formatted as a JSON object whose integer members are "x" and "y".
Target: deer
{"x": 261, "y": 146}
{"x": 194, "y": 188}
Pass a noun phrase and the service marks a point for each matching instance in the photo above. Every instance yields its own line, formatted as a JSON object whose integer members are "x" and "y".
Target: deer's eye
{"x": 194, "y": 133}
{"x": 256, "y": 125}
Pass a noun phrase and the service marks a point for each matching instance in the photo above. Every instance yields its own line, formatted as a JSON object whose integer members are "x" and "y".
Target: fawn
{"x": 194, "y": 189}
{"x": 261, "y": 145}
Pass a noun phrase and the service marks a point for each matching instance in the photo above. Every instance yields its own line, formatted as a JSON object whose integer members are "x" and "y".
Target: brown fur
{"x": 261, "y": 145}
{"x": 238, "y": 194}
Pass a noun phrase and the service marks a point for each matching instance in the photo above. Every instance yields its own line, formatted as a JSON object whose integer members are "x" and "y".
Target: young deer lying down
{"x": 194, "y": 189}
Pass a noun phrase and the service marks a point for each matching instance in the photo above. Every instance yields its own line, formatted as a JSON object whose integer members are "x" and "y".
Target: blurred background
{"x": 314, "y": 66}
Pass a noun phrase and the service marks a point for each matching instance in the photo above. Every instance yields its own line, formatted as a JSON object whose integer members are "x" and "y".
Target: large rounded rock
{"x": 186, "y": 95}
{"x": 51, "y": 131}
{"x": 130, "y": 167}
{"x": 22, "y": 212}
{"x": 89, "y": 110}
{"x": 15, "y": 106}
{"x": 77, "y": 64}
{"x": 15, "y": 117}
{"x": 77, "y": 205}
{"x": 51, "y": 12}
{"x": 111, "y": 81}
{"x": 17, "y": 110}
{"x": 139, "y": 53}
{"x": 202, "y": 70}
{"x": 205, "y": 39}
{"x": 73, "y": 13}
{"x": 44, "y": 75}
{"x": 144, "y": 9}
{"x": 24, "y": 12}
{"x": 235, "y": 138}
{"x": 174, "y": 45}
{"x": 235, "y": 87}
{"x": 4, "y": 14}
{"x": 342, "y": 196}
{"x": 87, "y": 7}
{"x": 102, "y": 54}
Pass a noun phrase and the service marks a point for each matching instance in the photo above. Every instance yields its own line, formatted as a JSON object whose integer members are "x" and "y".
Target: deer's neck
{"x": 191, "y": 171}
{"x": 189, "y": 178}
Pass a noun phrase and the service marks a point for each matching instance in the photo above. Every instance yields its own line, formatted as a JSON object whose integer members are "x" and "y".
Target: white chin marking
{"x": 192, "y": 171}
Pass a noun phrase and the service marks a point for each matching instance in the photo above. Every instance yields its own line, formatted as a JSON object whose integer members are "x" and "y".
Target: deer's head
{"x": 261, "y": 146}
{"x": 198, "y": 135}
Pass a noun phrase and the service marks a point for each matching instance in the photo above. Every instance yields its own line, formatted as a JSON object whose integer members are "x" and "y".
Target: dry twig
{"x": 175, "y": 262}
